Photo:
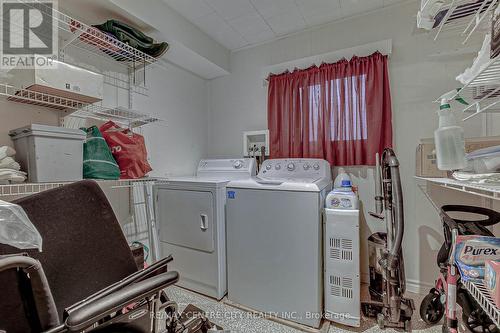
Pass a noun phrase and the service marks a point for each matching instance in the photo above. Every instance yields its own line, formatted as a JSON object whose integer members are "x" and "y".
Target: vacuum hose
{"x": 390, "y": 161}
{"x": 45, "y": 305}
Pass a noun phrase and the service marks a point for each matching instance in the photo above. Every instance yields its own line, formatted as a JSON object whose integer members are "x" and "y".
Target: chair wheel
{"x": 431, "y": 309}
{"x": 479, "y": 322}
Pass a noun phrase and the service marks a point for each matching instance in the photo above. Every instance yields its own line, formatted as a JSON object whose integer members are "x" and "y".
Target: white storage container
{"x": 49, "y": 153}
{"x": 63, "y": 80}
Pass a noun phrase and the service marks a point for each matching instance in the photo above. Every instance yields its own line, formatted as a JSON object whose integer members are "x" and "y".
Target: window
{"x": 340, "y": 112}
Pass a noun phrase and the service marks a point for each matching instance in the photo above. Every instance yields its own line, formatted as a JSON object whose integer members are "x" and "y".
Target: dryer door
{"x": 186, "y": 218}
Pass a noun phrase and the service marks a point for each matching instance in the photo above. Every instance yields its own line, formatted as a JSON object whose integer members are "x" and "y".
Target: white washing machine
{"x": 190, "y": 215}
{"x": 274, "y": 239}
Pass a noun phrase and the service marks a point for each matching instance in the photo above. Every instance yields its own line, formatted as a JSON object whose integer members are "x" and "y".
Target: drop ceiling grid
{"x": 239, "y": 23}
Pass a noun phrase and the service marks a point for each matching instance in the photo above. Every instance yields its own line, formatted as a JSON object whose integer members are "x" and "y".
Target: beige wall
{"x": 15, "y": 115}
{"x": 238, "y": 103}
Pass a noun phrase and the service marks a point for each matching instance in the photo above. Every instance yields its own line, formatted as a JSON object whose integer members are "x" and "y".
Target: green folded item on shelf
{"x": 124, "y": 31}
{"x": 133, "y": 37}
{"x": 157, "y": 50}
{"x": 98, "y": 162}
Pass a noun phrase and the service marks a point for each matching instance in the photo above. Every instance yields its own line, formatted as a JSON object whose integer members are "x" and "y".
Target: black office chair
{"x": 86, "y": 274}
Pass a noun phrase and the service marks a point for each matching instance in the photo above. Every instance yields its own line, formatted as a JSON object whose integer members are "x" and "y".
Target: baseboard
{"x": 418, "y": 287}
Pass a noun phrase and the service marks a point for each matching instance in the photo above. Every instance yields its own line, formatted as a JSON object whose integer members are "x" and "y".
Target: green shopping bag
{"x": 98, "y": 162}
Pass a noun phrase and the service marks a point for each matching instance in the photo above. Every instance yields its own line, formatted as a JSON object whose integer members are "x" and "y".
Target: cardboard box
{"x": 426, "y": 161}
{"x": 492, "y": 280}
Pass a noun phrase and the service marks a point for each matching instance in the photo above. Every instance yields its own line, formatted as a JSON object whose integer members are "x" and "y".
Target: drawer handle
{"x": 203, "y": 222}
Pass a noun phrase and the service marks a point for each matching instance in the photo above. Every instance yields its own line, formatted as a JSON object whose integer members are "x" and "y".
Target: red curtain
{"x": 340, "y": 112}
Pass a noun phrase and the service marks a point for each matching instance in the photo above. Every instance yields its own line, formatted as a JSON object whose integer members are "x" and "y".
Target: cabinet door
{"x": 186, "y": 218}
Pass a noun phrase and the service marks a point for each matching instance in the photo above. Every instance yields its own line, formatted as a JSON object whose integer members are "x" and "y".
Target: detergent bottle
{"x": 341, "y": 176}
{"x": 449, "y": 137}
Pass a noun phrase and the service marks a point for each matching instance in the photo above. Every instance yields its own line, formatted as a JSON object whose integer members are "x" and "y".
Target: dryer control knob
{"x": 316, "y": 166}
{"x": 290, "y": 166}
{"x": 238, "y": 164}
{"x": 306, "y": 167}
{"x": 278, "y": 167}
{"x": 268, "y": 167}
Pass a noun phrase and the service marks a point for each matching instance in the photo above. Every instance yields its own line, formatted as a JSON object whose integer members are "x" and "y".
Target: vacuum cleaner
{"x": 387, "y": 276}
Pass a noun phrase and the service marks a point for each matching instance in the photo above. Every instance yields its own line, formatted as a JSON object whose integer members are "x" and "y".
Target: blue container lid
{"x": 346, "y": 183}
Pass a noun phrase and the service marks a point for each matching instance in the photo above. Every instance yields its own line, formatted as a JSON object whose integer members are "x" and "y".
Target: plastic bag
{"x": 16, "y": 228}
{"x": 129, "y": 150}
{"x": 98, "y": 162}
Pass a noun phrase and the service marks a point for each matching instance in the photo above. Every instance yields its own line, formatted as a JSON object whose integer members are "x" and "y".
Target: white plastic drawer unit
{"x": 187, "y": 218}
{"x": 342, "y": 271}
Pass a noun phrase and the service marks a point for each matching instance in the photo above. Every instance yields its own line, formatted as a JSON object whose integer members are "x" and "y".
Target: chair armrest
{"x": 90, "y": 313}
{"x": 157, "y": 268}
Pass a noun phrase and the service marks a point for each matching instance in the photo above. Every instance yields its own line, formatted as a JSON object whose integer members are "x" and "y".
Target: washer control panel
{"x": 296, "y": 168}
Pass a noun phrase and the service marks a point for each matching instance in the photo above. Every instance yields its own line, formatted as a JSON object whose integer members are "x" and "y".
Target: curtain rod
{"x": 383, "y": 46}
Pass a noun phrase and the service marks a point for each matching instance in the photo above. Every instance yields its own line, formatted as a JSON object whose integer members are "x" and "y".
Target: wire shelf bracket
{"x": 483, "y": 90}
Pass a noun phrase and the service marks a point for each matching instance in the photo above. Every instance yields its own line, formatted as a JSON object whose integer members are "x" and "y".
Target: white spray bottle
{"x": 449, "y": 137}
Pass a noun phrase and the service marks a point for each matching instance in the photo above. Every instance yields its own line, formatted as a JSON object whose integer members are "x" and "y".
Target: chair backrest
{"x": 84, "y": 249}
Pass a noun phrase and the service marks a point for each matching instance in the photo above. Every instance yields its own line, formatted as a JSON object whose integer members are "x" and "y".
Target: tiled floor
{"x": 238, "y": 321}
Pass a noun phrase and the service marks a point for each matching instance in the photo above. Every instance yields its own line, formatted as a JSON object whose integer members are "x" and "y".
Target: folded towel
{"x": 478, "y": 178}
{"x": 480, "y": 62}
{"x": 12, "y": 176}
{"x": 9, "y": 163}
{"x": 6, "y": 151}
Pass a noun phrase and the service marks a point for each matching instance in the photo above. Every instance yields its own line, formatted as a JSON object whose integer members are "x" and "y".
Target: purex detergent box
{"x": 472, "y": 252}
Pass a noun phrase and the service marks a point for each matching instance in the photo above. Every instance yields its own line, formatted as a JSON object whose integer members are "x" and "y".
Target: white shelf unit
{"x": 462, "y": 17}
{"x": 73, "y": 33}
{"x": 33, "y": 188}
{"x": 483, "y": 298}
{"x": 125, "y": 117}
{"x": 482, "y": 190}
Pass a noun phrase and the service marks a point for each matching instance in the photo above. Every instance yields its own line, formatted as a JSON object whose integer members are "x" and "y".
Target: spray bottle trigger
{"x": 461, "y": 100}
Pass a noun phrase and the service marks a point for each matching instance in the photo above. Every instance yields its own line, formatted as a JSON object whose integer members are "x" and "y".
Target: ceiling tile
{"x": 248, "y": 24}
{"x": 230, "y": 9}
{"x": 190, "y": 9}
{"x": 215, "y": 26}
{"x": 319, "y": 11}
{"x": 260, "y": 37}
{"x": 287, "y": 22}
{"x": 313, "y": 19}
{"x": 353, "y": 7}
{"x": 270, "y": 8}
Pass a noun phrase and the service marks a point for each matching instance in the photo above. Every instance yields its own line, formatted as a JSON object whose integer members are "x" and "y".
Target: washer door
{"x": 185, "y": 218}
